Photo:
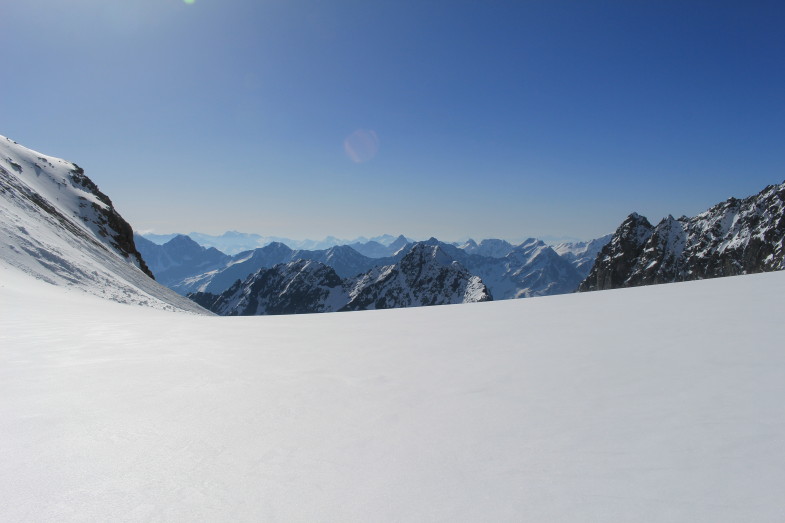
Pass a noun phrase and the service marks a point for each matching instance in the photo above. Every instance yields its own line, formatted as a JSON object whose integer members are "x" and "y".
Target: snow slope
{"x": 56, "y": 225}
{"x": 660, "y": 403}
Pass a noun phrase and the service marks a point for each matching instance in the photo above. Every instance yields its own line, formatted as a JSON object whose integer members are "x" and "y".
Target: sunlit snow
{"x": 661, "y": 403}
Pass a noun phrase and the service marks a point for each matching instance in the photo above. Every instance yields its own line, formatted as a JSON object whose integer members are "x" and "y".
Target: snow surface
{"x": 659, "y": 403}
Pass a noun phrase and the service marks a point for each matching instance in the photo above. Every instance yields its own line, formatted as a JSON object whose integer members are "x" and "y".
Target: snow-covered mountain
{"x": 492, "y": 248}
{"x": 179, "y": 258}
{"x": 59, "y": 227}
{"x": 582, "y": 254}
{"x": 529, "y": 269}
{"x": 733, "y": 237}
{"x": 424, "y": 276}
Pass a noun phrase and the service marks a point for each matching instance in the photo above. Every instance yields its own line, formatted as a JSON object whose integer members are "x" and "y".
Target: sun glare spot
{"x": 189, "y": 1}
{"x": 361, "y": 146}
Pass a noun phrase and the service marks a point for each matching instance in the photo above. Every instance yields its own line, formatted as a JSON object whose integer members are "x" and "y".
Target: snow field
{"x": 659, "y": 403}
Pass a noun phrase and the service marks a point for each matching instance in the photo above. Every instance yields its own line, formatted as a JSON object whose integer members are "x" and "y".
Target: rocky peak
{"x": 737, "y": 236}
{"x": 183, "y": 244}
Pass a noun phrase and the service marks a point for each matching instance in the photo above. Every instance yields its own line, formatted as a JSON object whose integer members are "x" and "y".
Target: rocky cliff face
{"x": 425, "y": 276}
{"x": 733, "y": 237}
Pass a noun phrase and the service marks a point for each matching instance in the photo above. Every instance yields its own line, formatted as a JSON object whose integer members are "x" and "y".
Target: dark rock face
{"x": 109, "y": 222}
{"x": 733, "y": 237}
{"x": 617, "y": 259}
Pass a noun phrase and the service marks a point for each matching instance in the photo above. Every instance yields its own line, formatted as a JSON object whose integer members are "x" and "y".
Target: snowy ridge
{"x": 733, "y": 237}
{"x": 425, "y": 276}
{"x": 57, "y": 226}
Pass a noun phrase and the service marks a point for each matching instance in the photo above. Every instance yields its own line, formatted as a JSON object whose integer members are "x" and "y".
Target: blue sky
{"x": 451, "y": 119}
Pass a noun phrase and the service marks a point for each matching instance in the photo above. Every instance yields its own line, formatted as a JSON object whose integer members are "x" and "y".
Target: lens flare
{"x": 362, "y": 145}
{"x": 189, "y": 1}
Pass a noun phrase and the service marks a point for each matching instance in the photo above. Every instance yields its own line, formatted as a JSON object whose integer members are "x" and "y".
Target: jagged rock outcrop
{"x": 733, "y": 237}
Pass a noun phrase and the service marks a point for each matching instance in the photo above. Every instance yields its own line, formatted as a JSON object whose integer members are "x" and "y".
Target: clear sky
{"x": 451, "y": 118}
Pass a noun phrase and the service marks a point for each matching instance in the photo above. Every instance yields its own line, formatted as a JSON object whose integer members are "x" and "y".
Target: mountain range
{"x": 509, "y": 271}
{"x": 234, "y": 242}
{"x": 426, "y": 275}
